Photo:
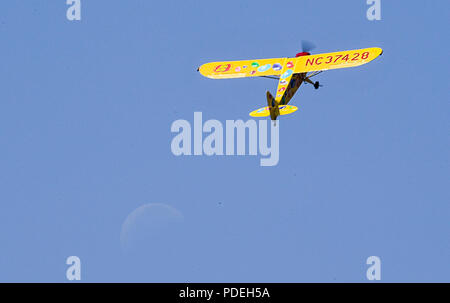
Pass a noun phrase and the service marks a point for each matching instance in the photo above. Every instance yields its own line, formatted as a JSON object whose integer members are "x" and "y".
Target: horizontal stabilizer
{"x": 265, "y": 111}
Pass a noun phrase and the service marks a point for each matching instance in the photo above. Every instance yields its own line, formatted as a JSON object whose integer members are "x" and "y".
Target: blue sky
{"x": 85, "y": 115}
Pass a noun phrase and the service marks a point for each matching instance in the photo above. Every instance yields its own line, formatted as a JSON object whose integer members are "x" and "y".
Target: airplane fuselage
{"x": 293, "y": 86}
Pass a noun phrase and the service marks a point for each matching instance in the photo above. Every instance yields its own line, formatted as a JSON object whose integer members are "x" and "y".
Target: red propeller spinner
{"x": 302, "y": 54}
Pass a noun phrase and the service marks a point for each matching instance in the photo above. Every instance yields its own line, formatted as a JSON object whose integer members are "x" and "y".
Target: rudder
{"x": 273, "y": 106}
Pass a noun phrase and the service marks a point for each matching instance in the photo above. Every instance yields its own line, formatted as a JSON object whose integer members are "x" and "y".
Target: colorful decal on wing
{"x": 244, "y": 68}
{"x": 285, "y": 78}
{"x": 336, "y": 60}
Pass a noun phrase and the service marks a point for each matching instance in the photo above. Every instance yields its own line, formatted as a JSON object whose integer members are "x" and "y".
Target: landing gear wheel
{"x": 316, "y": 85}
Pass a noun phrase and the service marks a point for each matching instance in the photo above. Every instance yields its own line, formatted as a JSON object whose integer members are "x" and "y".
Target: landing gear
{"x": 308, "y": 80}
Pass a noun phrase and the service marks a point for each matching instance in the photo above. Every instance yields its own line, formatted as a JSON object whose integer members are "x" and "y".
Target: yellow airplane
{"x": 290, "y": 73}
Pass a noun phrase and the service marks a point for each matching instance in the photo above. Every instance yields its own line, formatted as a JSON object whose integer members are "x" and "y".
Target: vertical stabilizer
{"x": 273, "y": 106}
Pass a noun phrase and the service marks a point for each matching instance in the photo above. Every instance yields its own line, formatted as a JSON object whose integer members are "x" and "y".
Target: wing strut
{"x": 270, "y": 77}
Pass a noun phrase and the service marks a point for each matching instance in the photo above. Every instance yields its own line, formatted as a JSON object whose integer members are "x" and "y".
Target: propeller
{"x": 307, "y": 46}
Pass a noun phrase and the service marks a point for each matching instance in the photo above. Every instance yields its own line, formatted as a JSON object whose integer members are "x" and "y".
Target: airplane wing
{"x": 244, "y": 68}
{"x": 284, "y": 66}
{"x": 336, "y": 60}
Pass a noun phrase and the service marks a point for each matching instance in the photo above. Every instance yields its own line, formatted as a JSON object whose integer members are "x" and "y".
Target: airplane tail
{"x": 273, "y": 106}
{"x": 273, "y": 109}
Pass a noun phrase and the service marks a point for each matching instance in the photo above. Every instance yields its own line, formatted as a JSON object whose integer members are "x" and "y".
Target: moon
{"x": 151, "y": 230}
